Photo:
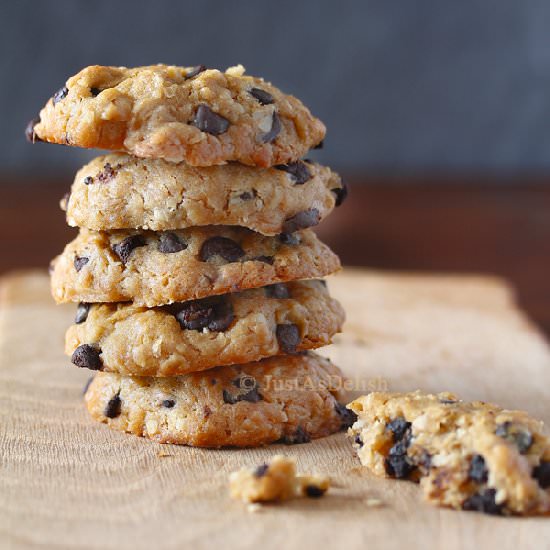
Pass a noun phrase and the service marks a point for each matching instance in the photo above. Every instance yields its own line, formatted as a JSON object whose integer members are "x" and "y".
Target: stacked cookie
{"x": 195, "y": 268}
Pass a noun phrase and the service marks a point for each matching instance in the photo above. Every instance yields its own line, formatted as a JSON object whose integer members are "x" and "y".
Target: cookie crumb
{"x": 374, "y": 502}
{"x": 163, "y": 454}
{"x": 278, "y": 481}
{"x": 254, "y": 508}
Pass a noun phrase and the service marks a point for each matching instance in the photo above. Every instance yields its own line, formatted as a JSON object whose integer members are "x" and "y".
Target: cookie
{"x": 192, "y": 336}
{"x": 470, "y": 456}
{"x": 290, "y": 399}
{"x": 122, "y": 192}
{"x": 196, "y": 115}
{"x": 275, "y": 481}
{"x": 154, "y": 269}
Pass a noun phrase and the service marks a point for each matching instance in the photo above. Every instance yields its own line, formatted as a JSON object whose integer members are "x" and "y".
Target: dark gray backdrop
{"x": 401, "y": 84}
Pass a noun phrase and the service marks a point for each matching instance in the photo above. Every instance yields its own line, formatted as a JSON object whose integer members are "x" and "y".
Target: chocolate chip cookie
{"x": 193, "y": 114}
{"x": 470, "y": 456}
{"x": 122, "y": 192}
{"x": 192, "y": 336}
{"x": 290, "y": 399}
{"x": 153, "y": 269}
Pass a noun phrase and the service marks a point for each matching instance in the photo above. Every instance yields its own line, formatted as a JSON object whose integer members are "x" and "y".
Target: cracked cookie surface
{"x": 192, "y": 336}
{"x": 122, "y": 192}
{"x": 472, "y": 456}
{"x": 154, "y": 269}
{"x": 200, "y": 116}
{"x": 290, "y": 398}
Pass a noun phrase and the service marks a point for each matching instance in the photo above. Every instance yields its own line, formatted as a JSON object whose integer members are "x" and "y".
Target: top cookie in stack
{"x": 185, "y": 263}
{"x": 199, "y": 116}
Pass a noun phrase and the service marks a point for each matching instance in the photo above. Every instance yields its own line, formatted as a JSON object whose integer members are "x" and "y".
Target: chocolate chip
{"x": 299, "y": 436}
{"x": 60, "y": 94}
{"x": 194, "y": 71}
{"x": 314, "y": 491}
{"x": 207, "y": 411}
{"x": 399, "y": 427}
{"x": 302, "y": 220}
{"x": 347, "y": 416}
{"x": 95, "y": 91}
{"x": 262, "y": 96}
{"x": 542, "y": 474}
{"x": 244, "y": 382}
{"x": 226, "y": 248}
{"x": 261, "y": 470}
{"x": 208, "y": 121}
{"x": 87, "y": 385}
{"x": 401, "y": 446}
{"x": 358, "y": 441}
{"x": 82, "y": 312}
{"x": 341, "y": 194}
{"x": 298, "y": 171}
{"x": 251, "y": 391}
{"x": 398, "y": 466}
{"x": 125, "y": 248}
{"x": 270, "y": 136}
{"x": 30, "y": 134}
{"x": 289, "y": 238}
{"x": 246, "y": 196}
{"x": 79, "y": 262}
{"x": 397, "y": 462}
{"x": 522, "y": 438}
{"x": 87, "y": 356}
{"x": 270, "y": 260}
{"x": 168, "y": 403}
{"x": 169, "y": 243}
{"x": 88, "y": 180}
{"x": 478, "y": 471}
{"x": 214, "y": 314}
{"x": 112, "y": 410}
{"x": 278, "y": 290}
{"x": 108, "y": 172}
{"x": 483, "y": 502}
{"x": 320, "y": 145}
{"x": 288, "y": 336}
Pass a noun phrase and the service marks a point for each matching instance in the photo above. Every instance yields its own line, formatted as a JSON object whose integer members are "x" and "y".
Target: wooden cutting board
{"x": 67, "y": 482}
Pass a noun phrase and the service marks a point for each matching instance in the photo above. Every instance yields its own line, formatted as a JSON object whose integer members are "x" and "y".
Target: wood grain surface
{"x": 67, "y": 482}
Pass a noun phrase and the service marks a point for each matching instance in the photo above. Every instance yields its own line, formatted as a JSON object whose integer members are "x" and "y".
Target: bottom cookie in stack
{"x": 288, "y": 398}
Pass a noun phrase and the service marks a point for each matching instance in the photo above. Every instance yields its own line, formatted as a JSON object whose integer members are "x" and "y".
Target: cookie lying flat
{"x": 192, "y": 336}
{"x": 123, "y": 192}
{"x": 290, "y": 398}
{"x": 197, "y": 115}
{"x": 470, "y": 456}
{"x": 154, "y": 269}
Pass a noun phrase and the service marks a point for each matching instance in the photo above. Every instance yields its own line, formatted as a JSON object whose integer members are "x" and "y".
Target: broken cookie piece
{"x": 275, "y": 481}
{"x": 472, "y": 456}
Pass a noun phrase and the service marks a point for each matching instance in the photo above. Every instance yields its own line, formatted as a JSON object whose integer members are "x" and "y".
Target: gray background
{"x": 402, "y": 85}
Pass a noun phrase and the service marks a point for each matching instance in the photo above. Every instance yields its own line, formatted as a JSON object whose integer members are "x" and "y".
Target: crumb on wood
{"x": 373, "y": 502}
{"x": 163, "y": 454}
{"x": 275, "y": 481}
